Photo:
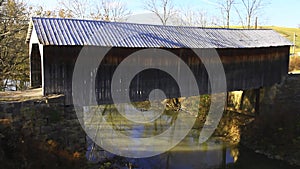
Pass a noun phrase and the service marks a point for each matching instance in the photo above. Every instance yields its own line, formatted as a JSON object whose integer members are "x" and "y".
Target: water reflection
{"x": 119, "y": 135}
{"x": 212, "y": 154}
{"x": 187, "y": 154}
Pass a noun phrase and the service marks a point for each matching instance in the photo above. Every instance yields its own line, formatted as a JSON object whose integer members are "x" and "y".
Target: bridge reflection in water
{"x": 212, "y": 154}
{"x": 189, "y": 153}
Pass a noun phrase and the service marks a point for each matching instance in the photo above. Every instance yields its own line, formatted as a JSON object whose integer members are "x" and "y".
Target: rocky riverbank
{"x": 40, "y": 133}
{"x": 275, "y": 132}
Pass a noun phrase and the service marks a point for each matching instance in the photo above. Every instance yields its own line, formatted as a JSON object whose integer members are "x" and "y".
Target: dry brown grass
{"x": 294, "y": 63}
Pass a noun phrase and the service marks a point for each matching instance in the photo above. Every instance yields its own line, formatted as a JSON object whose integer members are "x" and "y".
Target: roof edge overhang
{"x": 161, "y": 47}
{"x": 29, "y": 31}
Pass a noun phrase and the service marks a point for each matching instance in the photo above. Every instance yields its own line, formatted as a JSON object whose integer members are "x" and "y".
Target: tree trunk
{"x": 228, "y": 20}
{"x": 249, "y": 22}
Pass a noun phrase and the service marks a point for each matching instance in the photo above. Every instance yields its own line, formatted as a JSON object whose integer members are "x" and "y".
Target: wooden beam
{"x": 257, "y": 98}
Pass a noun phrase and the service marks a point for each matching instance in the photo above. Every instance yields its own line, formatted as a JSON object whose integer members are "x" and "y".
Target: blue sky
{"x": 276, "y": 12}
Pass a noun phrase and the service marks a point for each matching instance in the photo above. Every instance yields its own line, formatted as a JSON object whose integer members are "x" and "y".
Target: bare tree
{"x": 188, "y": 17}
{"x": 163, "y": 9}
{"x": 41, "y": 12}
{"x": 111, "y": 10}
{"x": 240, "y": 17}
{"x": 252, "y": 7}
{"x": 62, "y": 13}
{"x": 226, "y": 6}
{"x": 75, "y": 8}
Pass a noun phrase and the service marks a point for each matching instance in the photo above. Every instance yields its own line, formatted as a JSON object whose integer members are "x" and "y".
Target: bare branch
{"x": 163, "y": 9}
{"x": 76, "y": 8}
{"x": 252, "y": 7}
{"x": 226, "y": 6}
{"x": 240, "y": 17}
{"x": 189, "y": 17}
{"x": 111, "y": 10}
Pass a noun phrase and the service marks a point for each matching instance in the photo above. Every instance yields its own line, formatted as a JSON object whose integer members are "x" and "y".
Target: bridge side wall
{"x": 246, "y": 68}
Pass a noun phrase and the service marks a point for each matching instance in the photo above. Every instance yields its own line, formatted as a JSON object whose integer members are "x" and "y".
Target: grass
{"x": 294, "y": 63}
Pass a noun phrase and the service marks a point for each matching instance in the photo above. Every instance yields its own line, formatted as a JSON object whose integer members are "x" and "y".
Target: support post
{"x": 256, "y": 22}
{"x": 224, "y": 156}
{"x": 294, "y": 45}
{"x": 242, "y": 100}
{"x": 227, "y": 100}
{"x": 257, "y": 98}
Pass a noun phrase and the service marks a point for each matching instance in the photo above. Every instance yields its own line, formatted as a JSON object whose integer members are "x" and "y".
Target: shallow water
{"x": 212, "y": 154}
{"x": 188, "y": 154}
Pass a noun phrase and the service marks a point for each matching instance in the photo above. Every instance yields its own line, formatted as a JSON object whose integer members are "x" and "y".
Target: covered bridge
{"x": 251, "y": 58}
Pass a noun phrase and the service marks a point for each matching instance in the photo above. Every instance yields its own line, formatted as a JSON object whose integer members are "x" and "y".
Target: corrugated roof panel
{"x": 55, "y": 31}
{"x": 101, "y": 35}
{"x": 59, "y": 32}
{"x": 51, "y": 32}
{"x": 80, "y": 32}
{"x": 40, "y": 33}
{"x": 97, "y": 34}
{"x": 71, "y": 35}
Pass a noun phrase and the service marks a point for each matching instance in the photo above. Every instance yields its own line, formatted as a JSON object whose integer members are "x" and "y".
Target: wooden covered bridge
{"x": 251, "y": 58}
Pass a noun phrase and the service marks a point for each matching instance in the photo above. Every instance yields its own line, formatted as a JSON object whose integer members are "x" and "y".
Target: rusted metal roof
{"x": 55, "y": 31}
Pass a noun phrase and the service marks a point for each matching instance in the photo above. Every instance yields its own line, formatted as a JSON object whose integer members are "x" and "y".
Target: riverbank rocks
{"x": 45, "y": 120}
{"x": 275, "y": 131}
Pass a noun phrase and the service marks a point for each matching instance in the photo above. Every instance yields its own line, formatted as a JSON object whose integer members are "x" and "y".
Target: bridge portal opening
{"x": 35, "y": 67}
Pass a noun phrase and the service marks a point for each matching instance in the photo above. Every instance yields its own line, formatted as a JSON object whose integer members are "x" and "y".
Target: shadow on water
{"x": 216, "y": 156}
{"x": 188, "y": 154}
{"x": 250, "y": 160}
{"x": 210, "y": 155}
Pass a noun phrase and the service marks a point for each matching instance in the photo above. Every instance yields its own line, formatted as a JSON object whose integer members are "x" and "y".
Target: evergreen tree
{"x": 14, "y": 60}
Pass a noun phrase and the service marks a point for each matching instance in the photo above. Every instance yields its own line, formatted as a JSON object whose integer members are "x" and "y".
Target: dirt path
{"x": 31, "y": 94}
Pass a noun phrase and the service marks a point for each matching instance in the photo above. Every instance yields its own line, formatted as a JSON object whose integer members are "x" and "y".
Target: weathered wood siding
{"x": 246, "y": 68}
{"x": 58, "y": 70}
